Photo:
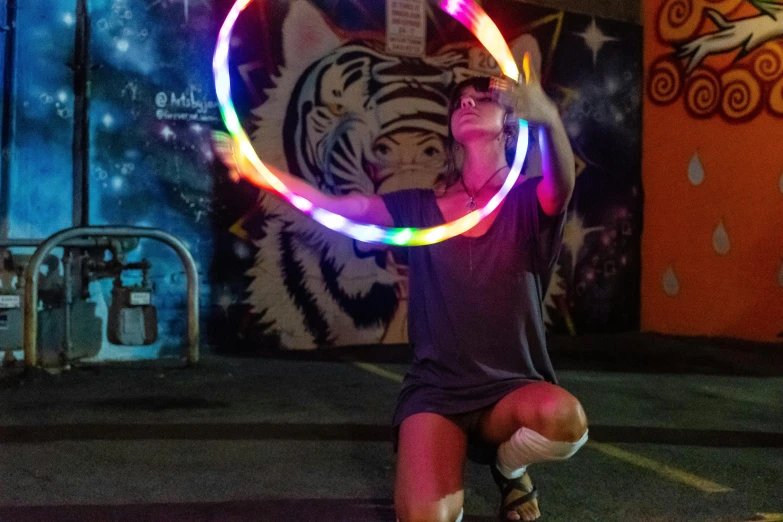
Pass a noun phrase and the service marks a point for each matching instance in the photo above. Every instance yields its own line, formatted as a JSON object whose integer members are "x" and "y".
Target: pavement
{"x": 684, "y": 430}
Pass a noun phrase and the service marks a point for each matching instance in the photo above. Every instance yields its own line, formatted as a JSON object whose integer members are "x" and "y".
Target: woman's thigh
{"x": 542, "y": 407}
{"x": 430, "y": 462}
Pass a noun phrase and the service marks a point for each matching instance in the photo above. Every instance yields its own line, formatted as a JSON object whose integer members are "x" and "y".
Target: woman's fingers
{"x": 505, "y": 91}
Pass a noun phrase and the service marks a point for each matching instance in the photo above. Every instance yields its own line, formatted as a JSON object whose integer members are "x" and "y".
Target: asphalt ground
{"x": 290, "y": 438}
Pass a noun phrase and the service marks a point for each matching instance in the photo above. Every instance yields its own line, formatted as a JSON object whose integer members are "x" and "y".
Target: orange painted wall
{"x": 723, "y": 117}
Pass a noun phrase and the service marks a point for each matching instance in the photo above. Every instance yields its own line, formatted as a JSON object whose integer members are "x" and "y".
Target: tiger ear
{"x": 307, "y": 36}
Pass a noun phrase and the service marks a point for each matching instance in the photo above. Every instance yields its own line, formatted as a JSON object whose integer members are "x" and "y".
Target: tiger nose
{"x": 336, "y": 109}
{"x": 467, "y": 101}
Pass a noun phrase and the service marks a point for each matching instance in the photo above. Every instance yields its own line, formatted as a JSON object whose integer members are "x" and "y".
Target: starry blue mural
{"x": 150, "y": 160}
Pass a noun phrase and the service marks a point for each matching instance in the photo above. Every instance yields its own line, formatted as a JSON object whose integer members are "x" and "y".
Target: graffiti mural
{"x": 321, "y": 97}
{"x": 324, "y": 101}
{"x": 726, "y": 58}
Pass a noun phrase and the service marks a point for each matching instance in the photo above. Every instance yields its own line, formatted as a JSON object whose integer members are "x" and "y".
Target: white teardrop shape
{"x": 695, "y": 170}
{"x": 720, "y": 239}
{"x": 670, "y": 283}
{"x": 780, "y": 276}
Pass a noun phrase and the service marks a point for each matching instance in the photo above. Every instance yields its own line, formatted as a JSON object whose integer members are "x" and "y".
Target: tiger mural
{"x": 346, "y": 117}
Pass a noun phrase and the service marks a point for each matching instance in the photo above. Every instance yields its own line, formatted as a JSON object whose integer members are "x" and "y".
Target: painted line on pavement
{"x": 377, "y": 370}
{"x": 668, "y": 472}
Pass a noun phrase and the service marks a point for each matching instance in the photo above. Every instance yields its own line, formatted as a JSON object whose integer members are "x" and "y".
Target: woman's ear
{"x": 510, "y": 123}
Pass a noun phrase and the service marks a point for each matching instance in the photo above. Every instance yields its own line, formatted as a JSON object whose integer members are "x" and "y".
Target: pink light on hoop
{"x": 476, "y": 20}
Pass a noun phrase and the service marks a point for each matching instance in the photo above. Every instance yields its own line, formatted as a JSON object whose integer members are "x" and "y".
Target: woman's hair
{"x": 452, "y": 172}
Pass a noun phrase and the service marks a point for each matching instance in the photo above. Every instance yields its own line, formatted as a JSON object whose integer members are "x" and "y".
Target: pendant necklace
{"x": 472, "y": 201}
{"x": 471, "y": 206}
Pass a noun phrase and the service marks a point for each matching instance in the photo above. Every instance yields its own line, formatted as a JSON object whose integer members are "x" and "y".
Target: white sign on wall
{"x": 139, "y": 298}
{"x": 406, "y": 27}
{"x": 10, "y": 301}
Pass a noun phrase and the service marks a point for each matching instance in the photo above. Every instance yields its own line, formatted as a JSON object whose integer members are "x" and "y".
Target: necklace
{"x": 472, "y": 201}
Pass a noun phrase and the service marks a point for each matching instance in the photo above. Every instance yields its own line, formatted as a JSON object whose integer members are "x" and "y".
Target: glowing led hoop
{"x": 472, "y": 17}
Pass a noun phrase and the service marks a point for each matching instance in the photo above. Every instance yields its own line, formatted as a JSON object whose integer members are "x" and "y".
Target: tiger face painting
{"x": 346, "y": 117}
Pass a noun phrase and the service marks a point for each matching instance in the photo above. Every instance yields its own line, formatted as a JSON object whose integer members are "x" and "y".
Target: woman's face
{"x": 476, "y": 116}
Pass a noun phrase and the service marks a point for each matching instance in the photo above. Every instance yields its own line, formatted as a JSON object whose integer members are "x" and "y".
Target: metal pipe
{"x": 68, "y": 275}
{"x": 33, "y": 267}
{"x": 8, "y": 133}
{"x": 35, "y": 243}
{"x": 80, "y": 145}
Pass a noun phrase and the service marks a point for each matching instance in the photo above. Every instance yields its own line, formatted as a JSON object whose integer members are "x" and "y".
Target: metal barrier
{"x": 35, "y": 243}
{"x": 58, "y": 239}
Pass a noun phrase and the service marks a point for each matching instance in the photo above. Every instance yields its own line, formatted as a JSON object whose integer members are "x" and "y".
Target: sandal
{"x": 506, "y": 487}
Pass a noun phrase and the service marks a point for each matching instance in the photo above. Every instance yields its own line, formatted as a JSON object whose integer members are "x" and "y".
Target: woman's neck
{"x": 482, "y": 161}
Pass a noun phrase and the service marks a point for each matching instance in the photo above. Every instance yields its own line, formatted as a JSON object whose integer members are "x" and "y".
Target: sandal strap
{"x": 507, "y": 485}
{"x": 516, "y": 487}
{"x": 524, "y": 499}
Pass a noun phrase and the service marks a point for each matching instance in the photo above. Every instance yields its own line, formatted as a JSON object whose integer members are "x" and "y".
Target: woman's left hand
{"x": 527, "y": 98}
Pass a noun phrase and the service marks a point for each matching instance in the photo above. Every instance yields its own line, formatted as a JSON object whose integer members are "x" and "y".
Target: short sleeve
{"x": 407, "y": 207}
{"x": 541, "y": 232}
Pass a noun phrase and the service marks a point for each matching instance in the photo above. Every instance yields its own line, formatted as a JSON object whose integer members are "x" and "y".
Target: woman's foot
{"x": 519, "y": 497}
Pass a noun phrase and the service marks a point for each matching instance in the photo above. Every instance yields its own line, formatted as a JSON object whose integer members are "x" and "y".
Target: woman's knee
{"x": 560, "y": 417}
{"x": 567, "y": 419}
{"x": 439, "y": 512}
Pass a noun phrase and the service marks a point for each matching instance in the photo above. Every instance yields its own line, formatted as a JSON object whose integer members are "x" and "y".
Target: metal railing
{"x": 66, "y": 236}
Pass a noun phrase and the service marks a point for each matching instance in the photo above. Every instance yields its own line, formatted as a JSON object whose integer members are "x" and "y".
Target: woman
{"x": 481, "y": 376}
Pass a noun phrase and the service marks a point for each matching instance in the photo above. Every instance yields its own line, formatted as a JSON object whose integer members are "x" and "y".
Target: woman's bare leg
{"x": 430, "y": 464}
{"x": 543, "y": 408}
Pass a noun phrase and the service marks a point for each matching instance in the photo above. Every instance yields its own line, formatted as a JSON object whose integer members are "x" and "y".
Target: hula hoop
{"x": 469, "y": 14}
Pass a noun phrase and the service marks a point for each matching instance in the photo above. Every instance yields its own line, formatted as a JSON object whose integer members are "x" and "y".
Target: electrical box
{"x": 133, "y": 320}
{"x": 11, "y": 321}
{"x": 86, "y": 329}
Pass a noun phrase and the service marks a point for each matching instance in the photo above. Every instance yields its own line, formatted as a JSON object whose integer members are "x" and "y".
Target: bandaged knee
{"x": 526, "y": 447}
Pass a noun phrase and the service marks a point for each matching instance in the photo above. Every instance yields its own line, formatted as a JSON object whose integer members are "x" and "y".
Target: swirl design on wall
{"x": 741, "y": 98}
{"x": 680, "y": 19}
{"x": 677, "y": 17}
{"x": 665, "y": 84}
{"x": 768, "y": 62}
{"x": 702, "y": 93}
